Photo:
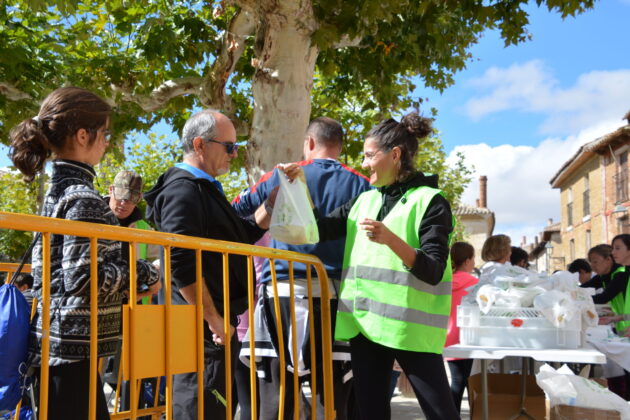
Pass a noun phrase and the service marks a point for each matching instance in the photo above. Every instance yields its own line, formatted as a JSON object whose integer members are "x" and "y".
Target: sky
{"x": 518, "y": 113}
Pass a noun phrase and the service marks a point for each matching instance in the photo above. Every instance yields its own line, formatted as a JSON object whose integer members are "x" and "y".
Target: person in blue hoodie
{"x": 330, "y": 184}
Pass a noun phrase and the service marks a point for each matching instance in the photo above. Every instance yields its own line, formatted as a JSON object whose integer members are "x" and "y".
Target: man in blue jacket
{"x": 331, "y": 184}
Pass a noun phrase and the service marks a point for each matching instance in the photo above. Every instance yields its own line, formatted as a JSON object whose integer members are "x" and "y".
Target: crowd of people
{"x": 385, "y": 241}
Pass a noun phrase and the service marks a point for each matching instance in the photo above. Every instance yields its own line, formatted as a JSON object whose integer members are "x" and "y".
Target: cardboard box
{"x": 567, "y": 412}
{"x": 504, "y": 397}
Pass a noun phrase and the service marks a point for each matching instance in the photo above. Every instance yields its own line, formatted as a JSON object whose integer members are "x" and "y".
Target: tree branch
{"x": 210, "y": 88}
{"x": 212, "y": 91}
{"x": 13, "y": 93}
{"x": 162, "y": 94}
{"x": 346, "y": 41}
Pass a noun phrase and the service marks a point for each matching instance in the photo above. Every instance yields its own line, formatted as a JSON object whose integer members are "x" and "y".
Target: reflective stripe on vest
{"x": 385, "y": 275}
{"x": 393, "y": 312}
{"x": 379, "y": 297}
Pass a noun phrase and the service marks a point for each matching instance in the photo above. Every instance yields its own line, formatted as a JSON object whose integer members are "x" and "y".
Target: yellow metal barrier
{"x": 11, "y": 268}
{"x": 168, "y": 339}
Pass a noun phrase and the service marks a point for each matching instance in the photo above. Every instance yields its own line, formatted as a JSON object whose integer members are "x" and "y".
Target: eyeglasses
{"x": 229, "y": 146}
{"x": 371, "y": 155}
{"x": 107, "y": 135}
{"x": 124, "y": 193}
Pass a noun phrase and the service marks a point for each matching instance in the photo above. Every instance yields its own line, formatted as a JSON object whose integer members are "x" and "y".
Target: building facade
{"x": 594, "y": 194}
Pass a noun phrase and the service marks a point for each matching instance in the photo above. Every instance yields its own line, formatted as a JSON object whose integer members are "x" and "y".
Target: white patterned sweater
{"x": 72, "y": 196}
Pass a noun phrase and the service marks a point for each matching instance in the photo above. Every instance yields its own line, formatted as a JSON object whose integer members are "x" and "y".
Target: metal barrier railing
{"x": 149, "y": 329}
{"x": 10, "y": 268}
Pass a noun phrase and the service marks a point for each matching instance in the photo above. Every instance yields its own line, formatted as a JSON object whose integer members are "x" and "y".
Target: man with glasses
{"x": 189, "y": 200}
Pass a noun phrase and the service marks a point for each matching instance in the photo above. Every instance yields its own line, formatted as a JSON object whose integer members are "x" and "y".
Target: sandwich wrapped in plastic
{"x": 556, "y": 306}
{"x": 489, "y": 296}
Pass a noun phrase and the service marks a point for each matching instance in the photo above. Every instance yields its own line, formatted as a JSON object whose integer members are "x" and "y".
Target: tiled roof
{"x": 587, "y": 150}
{"x": 466, "y": 210}
{"x": 553, "y": 228}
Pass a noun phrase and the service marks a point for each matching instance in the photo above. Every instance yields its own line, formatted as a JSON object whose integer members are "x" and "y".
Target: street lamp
{"x": 548, "y": 248}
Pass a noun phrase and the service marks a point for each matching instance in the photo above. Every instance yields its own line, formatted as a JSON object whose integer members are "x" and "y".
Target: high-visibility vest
{"x": 379, "y": 297}
{"x": 620, "y": 304}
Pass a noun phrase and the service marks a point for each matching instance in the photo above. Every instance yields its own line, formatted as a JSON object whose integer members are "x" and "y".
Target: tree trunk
{"x": 281, "y": 86}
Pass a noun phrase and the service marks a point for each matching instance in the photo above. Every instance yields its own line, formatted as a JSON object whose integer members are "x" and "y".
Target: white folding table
{"x": 582, "y": 355}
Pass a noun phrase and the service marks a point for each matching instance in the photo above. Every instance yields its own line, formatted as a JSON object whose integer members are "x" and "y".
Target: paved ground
{"x": 404, "y": 408}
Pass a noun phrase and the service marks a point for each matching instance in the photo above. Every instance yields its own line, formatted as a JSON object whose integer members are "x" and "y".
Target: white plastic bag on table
{"x": 564, "y": 387}
{"x": 525, "y": 295}
{"x": 292, "y": 220}
{"x": 556, "y": 306}
{"x": 565, "y": 281}
{"x": 584, "y": 301}
{"x": 489, "y": 296}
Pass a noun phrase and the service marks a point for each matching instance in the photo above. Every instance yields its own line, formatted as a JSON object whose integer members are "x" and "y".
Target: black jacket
{"x": 435, "y": 228}
{"x": 183, "y": 204}
{"x": 612, "y": 287}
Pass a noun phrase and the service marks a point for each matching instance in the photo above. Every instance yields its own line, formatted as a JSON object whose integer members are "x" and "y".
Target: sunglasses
{"x": 122, "y": 193}
{"x": 229, "y": 146}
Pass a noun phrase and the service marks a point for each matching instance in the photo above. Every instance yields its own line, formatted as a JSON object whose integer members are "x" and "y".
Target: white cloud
{"x": 519, "y": 192}
{"x": 531, "y": 87}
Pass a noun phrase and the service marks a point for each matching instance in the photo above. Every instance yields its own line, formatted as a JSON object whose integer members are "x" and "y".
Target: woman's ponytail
{"x": 29, "y": 147}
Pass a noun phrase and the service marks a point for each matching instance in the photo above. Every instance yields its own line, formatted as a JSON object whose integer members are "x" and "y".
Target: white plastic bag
{"x": 292, "y": 220}
{"x": 563, "y": 387}
{"x": 489, "y": 296}
{"x": 556, "y": 306}
{"x": 583, "y": 300}
{"x": 565, "y": 281}
{"x": 525, "y": 295}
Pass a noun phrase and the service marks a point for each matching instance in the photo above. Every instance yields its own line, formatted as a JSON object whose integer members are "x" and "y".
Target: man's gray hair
{"x": 202, "y": 124}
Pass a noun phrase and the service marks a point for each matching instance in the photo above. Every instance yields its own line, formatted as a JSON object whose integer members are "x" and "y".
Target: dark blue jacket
{"x": 331, "y": 184}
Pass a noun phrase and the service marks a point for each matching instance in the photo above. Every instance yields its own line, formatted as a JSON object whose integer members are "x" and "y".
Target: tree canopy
{"x": 271, "y": 65}
{"x": 261, "y": 62}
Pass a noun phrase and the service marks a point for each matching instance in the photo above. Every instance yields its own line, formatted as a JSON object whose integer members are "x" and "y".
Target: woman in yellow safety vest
{"x": 621, "y": 254}
{"x": 395, "y": 296}
{"x": 612, "y": 278}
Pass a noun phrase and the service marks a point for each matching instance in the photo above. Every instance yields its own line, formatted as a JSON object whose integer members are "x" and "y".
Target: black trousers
{"x": 242, "y": 385}
{"x": 69, "y": 392}
{"x": 185, "y": 384}
{"x": 270, "y": 394}
{"x": 270, "y": 385}
{"x": 372, "y": 369}
{"x": 460, "y": 371}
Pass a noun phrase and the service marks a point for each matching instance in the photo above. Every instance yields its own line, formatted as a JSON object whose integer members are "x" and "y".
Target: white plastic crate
{"x": 515, "y": 327}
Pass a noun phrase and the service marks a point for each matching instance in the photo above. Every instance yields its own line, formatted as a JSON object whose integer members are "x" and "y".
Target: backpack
{"x": 15, "y": 324}
{"x": 14, "y": 332}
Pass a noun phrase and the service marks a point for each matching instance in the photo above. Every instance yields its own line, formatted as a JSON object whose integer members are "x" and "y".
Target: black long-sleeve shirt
{"x": 434, "y": 231}
{"x": 612, "y": 286}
